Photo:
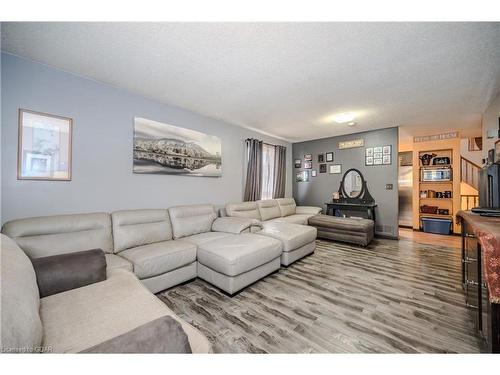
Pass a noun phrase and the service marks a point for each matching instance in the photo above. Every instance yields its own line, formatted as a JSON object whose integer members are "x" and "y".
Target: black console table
{"x": 369, "y": 208}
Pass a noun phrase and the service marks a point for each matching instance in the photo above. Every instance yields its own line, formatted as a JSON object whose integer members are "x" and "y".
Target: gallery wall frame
{"x": 44, "y": 148}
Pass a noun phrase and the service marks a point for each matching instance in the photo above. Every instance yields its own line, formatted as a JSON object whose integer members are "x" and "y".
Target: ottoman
{"x": 298, "y": 240}
{"x": 344, "y": 229}
{"x": 232, "y": 263}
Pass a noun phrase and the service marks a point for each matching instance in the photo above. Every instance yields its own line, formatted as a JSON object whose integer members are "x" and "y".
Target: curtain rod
{"x": 266, "y": 143}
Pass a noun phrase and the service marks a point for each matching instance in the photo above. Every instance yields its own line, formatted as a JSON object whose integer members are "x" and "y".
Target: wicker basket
{"x": 425, "y": 209}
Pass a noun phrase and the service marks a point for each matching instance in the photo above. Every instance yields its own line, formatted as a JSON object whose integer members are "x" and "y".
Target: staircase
{"x": 469, "y": 172}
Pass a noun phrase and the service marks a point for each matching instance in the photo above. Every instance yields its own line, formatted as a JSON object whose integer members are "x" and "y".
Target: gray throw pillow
{"x": 163, "y": 335}
{"x": 59, "y": 273}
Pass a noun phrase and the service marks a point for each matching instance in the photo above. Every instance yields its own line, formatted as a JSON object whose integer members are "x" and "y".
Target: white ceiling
{"x": 286, "y": 79}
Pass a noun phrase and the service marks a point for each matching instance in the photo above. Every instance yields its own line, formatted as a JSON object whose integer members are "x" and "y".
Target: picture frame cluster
{"x": 307, "y": 166}
{"x": 379, "y": 155}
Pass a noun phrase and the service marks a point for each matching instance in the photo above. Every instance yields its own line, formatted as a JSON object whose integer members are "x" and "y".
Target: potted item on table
{"x": 423, "y": 193}
{"x": 426, "y": 158}
{"x": 336, "y": 195}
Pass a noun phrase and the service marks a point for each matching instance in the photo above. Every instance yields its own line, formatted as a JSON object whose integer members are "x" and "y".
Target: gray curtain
{"x": 279, "y": 172}
{"x": 254, "y": 170}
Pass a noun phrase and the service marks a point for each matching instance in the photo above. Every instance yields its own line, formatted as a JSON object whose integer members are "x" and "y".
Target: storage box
{"x": 435, "y": 225}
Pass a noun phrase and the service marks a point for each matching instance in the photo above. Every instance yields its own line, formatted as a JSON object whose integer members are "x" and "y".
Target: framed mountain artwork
{"x": 161, "y": 148}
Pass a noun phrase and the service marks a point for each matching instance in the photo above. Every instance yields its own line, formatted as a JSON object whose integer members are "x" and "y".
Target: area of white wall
{"x": 490, "y": 121}
{"x": 102, "y": 178}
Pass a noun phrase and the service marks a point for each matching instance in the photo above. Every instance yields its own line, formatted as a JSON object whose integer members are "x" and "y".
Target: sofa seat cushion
{"x": 198, "y": 239}
{"x": 292, "y": 236}
{"x": 81, "y": 318}
{"x": 157, "y": 258}
{"x": 117, "y": 262}
{"x": 240, "y": 253}
{"x": 295, "y": 219}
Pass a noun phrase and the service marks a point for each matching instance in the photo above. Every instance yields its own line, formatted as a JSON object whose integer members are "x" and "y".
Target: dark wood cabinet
{"x": 485, "y": 314}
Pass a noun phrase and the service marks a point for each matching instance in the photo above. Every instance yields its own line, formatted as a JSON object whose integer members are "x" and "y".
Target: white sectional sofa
{"x": 281, "y": 219}
{"x": 159, "y": 247}
{"x": 272, "y": 210}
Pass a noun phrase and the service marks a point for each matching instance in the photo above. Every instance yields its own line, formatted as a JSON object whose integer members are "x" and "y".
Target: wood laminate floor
{"x": 392, "y": 297}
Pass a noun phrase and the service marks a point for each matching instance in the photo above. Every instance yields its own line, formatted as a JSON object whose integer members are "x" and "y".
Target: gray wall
{"x": 319, "y": 190}
{"x": 102, "y": 147}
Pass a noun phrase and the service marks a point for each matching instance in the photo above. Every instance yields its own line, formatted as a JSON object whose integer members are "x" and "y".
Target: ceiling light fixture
{"x": 344, "y": 117}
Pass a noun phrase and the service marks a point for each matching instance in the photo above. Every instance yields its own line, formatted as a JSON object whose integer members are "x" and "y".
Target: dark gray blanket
{"x": 163, "y": 335}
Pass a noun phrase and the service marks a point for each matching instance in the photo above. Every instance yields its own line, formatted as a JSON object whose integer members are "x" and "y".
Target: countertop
{"x": 487, "y": 231}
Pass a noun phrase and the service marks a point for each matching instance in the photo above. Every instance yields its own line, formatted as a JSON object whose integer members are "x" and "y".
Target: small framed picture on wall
{"x": 329, "y": 157}
{"x": 313, "y": 173}
{"x": 307, "y": 165}
{"x": 369, "y": 160}
{"x": 44, "y": 146}
{"x": 321, "y": 158}
{"x": 308, "y": 157}
{"x": 322, "y": 168}
{"x": 297, "y": 163}
{"x": 335, "y": 168}
{"x": 386, "y": 159}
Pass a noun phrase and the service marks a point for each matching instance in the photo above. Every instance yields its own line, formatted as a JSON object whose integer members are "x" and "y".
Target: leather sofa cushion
{"x": 342, "y": 223}
{"x": 194, "y": 219}
{"x": 162, "y": 335}
{"x": 200, "y": 238}
{"x": 157, "y": 258}
{"x": 133, "y": 228}
{"x": 82, "y": 318}
{"x": 287, "y": 206}
{"x": 59, "y": 273}
{"x": 292, "y": 236}
{"x": 60, "y": 234}
{"x": 117, "y": 262}
{"x": 240, "y": 253}
{"x": 269, "y": 209}
{"x": 21, "y": 326}
{"x": 294, "y": 219}
{"x": 249, "y": 210}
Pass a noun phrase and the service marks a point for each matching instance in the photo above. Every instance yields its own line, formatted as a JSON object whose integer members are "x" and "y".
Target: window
{"x": 267, "y": 178}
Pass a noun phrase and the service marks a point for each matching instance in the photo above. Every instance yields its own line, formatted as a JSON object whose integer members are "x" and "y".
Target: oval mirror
{"x": 352, "y": 184}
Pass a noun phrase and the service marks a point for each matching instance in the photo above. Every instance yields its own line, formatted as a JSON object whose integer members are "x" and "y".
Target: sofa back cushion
{"x": 248, "y": 210}
{"x": 21, "y": 323}
{"x": 194, "y": 219}
{"x": 134, "y": 228}
{"x": 60, "y": 234}
{"x": 269, "y": 209}
{"x": 287, "y": 206}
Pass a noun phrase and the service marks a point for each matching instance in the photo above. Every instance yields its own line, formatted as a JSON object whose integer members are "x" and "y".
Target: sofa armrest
{"x": 59, "y": 273}
{"x": 308, "y": 210}
{"x": 234, "y": 225}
